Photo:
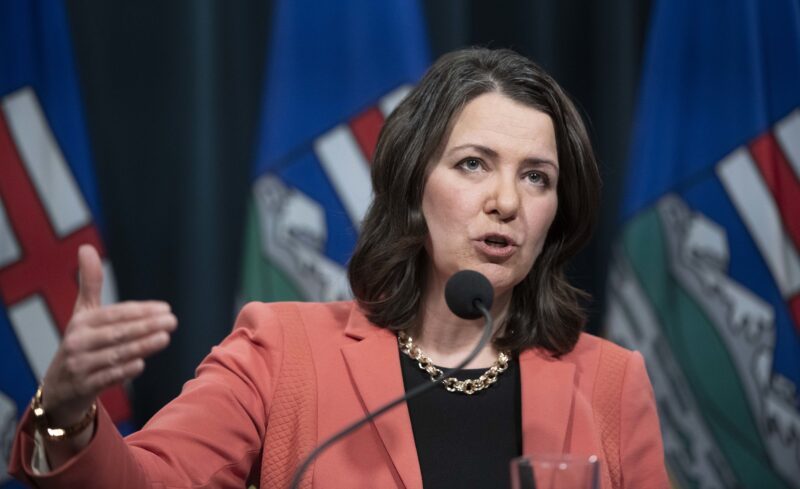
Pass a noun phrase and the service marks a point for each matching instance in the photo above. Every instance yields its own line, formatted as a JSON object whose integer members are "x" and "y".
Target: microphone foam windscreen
{"x": 463, "y": 289}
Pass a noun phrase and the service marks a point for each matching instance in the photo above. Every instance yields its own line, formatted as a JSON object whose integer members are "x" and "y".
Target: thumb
{"x": 90, "y": 278}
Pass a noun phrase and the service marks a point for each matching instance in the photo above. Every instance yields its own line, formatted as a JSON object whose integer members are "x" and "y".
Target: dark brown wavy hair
{"x": 388, "y": 269}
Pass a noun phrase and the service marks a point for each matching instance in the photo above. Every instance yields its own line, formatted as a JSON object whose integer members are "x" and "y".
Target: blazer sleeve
{"x": 209, "y": 436}
{"x": 641, "y": 447}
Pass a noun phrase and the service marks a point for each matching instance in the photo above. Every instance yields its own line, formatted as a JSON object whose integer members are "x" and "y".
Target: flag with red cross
{"x": 48, "y": 205}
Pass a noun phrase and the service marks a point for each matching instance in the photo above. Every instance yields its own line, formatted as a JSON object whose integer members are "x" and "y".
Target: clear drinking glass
{"x": 550, "y": 471}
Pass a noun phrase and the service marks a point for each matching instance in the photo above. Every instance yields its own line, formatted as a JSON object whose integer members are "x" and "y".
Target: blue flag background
{"x": 37, "y": 77}
{"x": 706, "y": 276}
{"x": 334, "y": 72}
{"x": 35, "y": 51}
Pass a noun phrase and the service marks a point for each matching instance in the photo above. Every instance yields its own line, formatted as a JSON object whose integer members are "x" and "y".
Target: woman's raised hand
{"x": 102, "y": 345}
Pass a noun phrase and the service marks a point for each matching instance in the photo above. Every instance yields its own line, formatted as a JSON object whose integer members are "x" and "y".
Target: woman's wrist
{"x": 60, "y": 428}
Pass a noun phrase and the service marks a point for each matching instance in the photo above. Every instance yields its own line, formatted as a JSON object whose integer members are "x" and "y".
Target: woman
{"x": 486, "y": 166}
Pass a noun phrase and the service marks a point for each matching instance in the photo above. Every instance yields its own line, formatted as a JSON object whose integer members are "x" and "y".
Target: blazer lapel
{"x": 548, "y": 390}
{"x": 374, "y": 365}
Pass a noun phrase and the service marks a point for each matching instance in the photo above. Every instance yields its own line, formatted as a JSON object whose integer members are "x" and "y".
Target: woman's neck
{"x": 447, "y": 339}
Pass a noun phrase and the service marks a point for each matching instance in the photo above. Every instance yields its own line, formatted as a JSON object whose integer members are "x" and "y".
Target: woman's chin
{"x": 502, "y": 280}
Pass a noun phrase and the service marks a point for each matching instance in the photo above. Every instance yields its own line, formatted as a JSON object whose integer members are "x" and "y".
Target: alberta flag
{"x": 706, "y": 275}
{"x": 48, "y": 204}
{"x": 335, "y": 70}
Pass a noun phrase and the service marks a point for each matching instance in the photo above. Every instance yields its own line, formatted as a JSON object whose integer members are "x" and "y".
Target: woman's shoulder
{"x": 590, "y": 346}
{"x": 304, "y": 309}
{"x": 600, "y": 358}
{"x": 256, "y": 315}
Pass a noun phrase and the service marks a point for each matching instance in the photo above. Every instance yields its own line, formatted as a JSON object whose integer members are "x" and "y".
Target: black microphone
{"x": 469, "y": 295}
{"x": 464, "y": 289}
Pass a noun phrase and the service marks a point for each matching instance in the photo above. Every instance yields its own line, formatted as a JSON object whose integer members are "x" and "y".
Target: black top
{"x": 465, "y": 441}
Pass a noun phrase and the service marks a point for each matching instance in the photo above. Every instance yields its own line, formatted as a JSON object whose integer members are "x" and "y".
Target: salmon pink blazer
{"x": 292, "y": 374}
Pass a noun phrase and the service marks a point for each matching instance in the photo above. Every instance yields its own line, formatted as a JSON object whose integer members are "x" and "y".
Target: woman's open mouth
{"x": 496, "y": 245}
{"x": 496, "y": 241}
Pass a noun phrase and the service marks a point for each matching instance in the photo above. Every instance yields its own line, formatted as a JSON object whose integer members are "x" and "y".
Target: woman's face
{"x": 491, "y": 196}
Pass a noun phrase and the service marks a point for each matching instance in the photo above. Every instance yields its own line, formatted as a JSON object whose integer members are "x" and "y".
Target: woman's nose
{"x": 504, "y": 199}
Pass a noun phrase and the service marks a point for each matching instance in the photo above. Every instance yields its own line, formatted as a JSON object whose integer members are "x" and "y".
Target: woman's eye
{"x": 538, "y": 178}
{"x": 470, "y": 164}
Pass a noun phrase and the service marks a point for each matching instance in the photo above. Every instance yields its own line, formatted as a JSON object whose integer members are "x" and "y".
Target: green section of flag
{"x": 701, "y": 353}
{"x": 261, "y": 280}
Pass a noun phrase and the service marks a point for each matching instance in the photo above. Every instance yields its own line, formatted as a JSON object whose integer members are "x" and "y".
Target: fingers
{"x": 97, "y": 336}
{"x": 103, "y": 346}
{"x": 119, "y": 313}
{"x": 114, "y": 359}
{"x": 115, "y": 335}
{"x": 101, "y": 379}
{"x": 90, "y": 277}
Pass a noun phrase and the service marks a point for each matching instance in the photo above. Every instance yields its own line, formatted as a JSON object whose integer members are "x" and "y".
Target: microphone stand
{"x": 485, "y": 336}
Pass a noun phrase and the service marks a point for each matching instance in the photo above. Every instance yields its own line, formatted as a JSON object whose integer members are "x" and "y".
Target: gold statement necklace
{"x": 468, "y": 386}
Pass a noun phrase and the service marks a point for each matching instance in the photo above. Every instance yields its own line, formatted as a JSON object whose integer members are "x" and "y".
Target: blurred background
{"x": 189, "y": 108}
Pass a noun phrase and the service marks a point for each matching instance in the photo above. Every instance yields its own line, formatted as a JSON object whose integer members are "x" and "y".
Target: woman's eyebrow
{"x": 477, "y": 147}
